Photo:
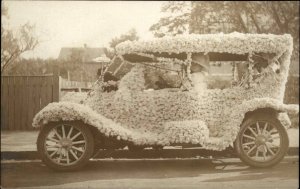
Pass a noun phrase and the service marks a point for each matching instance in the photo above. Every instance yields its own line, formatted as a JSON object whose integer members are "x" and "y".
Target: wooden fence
{"x": 64, "y": 83}
{"x": 23, "y": 96}
{"x": 73, "y": 86}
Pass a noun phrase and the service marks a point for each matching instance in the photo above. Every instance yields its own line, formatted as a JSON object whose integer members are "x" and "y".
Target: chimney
{"x": 85, "y": 45}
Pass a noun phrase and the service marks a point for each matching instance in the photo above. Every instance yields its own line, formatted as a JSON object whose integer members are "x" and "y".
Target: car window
{"x": 119, "y": 67}
{"x": 220, "y": 75}
{"x": 225, "y": 74}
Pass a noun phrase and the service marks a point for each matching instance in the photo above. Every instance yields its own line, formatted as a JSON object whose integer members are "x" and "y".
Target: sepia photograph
{"x": 149, "y": 94}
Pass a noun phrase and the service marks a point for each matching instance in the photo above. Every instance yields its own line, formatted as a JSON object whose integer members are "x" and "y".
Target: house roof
{"x": 86, "y": 53}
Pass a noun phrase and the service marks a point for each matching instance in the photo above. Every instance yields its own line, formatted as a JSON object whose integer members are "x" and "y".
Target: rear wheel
{"x": 65, "y": 146}
{"x": 262, "y": 141}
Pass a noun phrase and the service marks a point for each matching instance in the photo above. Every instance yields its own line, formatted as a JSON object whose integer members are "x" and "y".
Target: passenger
{"x": 110, "y": 78}
{"x": 199, "y": 69}
{"x": 162, "y": 84}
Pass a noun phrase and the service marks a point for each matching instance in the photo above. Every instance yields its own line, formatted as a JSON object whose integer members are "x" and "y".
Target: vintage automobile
{"x": 166, "y": 95}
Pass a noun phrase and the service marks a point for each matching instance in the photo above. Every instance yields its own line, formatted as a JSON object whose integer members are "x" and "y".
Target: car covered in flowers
{"x": 165, "y": 95}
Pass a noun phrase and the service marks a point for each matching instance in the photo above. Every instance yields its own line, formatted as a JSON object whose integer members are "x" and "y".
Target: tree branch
{"x": 277, "y": 19}
{"x": 7, "y": 62}
{"x": 239, "y": 16}
{"x": 259, "y": 30}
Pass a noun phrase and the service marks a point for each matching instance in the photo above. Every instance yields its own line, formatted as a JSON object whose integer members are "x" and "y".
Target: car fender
{"x": 251, "y": 106}
{"x": 70, "y": 111}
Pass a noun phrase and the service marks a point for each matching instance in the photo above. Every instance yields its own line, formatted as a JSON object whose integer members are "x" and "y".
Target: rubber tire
{"x": 86, "y": 156}
{"x": 284, "y": 141}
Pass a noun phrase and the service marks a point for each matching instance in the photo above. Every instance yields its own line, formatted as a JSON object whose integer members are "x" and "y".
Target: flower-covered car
{"x": 165, "y": 95}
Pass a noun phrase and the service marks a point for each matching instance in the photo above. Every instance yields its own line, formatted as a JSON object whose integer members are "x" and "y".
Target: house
{"x": 90, "y": 58}
{"x": 84, "y": 54}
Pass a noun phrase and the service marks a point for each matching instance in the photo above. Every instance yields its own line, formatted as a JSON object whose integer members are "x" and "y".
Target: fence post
{"x": 56, "y": 90}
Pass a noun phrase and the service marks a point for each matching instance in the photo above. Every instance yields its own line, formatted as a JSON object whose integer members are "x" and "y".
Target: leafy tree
{"x": 248, "y": 17}
{"x": 285, "y": 19}
{"x": 131, "y": 35}
{"x": 176, "y": 20}
{"x": 15, "y": 44}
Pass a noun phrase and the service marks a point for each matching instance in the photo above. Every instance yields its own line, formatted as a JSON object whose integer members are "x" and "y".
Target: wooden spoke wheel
{"x": 262, "y": 141}
{"x": 65, "y": 146}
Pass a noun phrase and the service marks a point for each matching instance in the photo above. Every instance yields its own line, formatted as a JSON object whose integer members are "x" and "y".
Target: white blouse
{"x": 198, "y": 79}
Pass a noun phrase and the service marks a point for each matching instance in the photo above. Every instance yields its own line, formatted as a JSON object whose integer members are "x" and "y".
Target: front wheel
{"x": 262, "y": 141}
{"x": 65, "y": 146}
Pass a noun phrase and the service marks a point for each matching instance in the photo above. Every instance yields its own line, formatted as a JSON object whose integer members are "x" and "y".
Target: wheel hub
{"x": 260, "y": 140}
{"x": 66, "y": 143}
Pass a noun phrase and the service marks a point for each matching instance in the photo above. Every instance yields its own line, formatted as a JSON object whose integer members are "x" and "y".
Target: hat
{"x": 201, "y": 59}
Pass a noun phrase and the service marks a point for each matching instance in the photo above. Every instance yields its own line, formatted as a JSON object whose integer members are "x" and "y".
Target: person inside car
{"x": 199, "y": 69}
{"x": 111, "y": 80}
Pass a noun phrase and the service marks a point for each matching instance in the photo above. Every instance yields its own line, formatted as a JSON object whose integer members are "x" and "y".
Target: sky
{"x": 75, "y": 23}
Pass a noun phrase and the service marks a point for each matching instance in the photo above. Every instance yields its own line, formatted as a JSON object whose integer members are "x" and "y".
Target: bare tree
{"x": 13, "y": 45}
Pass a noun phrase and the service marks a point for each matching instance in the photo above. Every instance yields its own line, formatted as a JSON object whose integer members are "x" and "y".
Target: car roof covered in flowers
{"x": 233, "y": 43}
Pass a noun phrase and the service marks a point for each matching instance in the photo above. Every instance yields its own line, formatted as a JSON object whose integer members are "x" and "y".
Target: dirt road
{"x": 192, "y": 173}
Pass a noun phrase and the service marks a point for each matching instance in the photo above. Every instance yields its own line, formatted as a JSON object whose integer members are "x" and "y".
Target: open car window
{"x": 227, "y": 70}
{"x": 119, "y": 67}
